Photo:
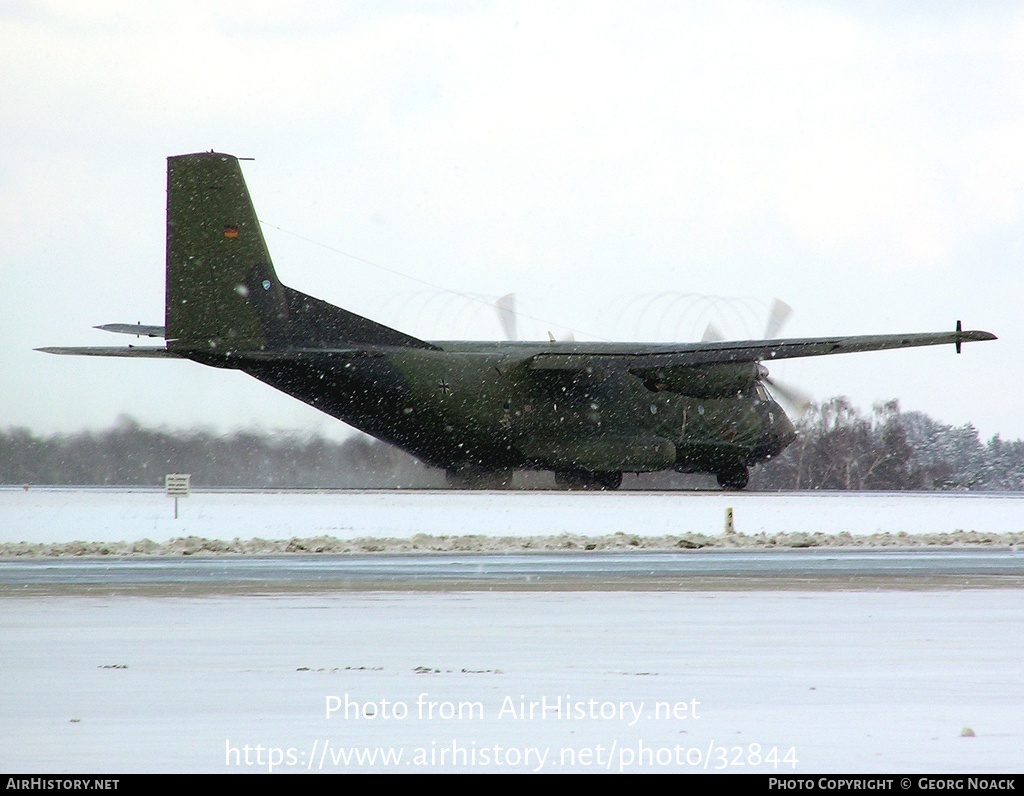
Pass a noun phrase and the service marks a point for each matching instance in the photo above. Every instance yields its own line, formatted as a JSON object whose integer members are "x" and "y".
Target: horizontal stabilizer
{"x": 310, "y": 355}
{"x": 138, "y": 329}
{"x": 150, "y": 352}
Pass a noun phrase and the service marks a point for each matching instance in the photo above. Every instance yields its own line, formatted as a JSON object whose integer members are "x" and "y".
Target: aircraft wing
{"x": 642, "y": 357}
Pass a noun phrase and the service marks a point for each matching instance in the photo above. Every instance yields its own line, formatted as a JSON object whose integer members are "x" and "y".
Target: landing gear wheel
{"x": 734, "y": 478}
{"x": 580, "y": 479}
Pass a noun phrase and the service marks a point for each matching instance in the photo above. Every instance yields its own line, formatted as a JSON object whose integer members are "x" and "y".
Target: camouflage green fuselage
{"x": 462, "y": 405}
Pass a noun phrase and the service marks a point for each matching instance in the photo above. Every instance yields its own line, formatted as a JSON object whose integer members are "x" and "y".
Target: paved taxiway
{"x": 684, "y": 570}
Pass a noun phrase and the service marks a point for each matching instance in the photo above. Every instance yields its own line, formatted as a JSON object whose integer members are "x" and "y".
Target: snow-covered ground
{"x": 61, "y": 515}
{"x": 838, "y": 682}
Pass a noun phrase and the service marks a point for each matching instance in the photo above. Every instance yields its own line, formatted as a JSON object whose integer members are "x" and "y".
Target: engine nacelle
{"x": 704, "y": 381}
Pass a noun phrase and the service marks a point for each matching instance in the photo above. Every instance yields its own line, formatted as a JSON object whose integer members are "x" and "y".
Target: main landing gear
{"x": 733, "y": 478}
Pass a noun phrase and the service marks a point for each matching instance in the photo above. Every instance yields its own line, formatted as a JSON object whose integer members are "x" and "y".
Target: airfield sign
{"x": 177, "y": 485}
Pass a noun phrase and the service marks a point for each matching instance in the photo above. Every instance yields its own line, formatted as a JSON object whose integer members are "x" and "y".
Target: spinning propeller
{"x": 795, "y": 400}
{"x": 509, "y": 320}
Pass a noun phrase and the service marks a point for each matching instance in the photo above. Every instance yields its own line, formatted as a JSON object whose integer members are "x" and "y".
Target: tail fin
{"x": 222, "y": 292}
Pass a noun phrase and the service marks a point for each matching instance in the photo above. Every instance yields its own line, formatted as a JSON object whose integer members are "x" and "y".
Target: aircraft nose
{"x": 781, "y": 430}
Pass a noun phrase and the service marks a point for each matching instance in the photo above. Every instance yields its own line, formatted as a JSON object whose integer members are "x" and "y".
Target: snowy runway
{"x": 839, "y": 682}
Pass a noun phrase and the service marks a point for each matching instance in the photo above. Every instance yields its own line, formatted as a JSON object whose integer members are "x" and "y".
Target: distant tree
{"x": 1004, "y": 465}
{"x": 944, "y": 456}
{"x": 888, "y": 465}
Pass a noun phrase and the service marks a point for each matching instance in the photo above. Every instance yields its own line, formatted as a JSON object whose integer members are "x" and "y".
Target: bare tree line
{"x": 839, "y": 447}
{"x": 129, "y": 455}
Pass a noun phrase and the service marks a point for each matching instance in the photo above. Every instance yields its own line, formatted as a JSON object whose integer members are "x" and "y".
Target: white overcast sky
{"x": 862, "y": 161}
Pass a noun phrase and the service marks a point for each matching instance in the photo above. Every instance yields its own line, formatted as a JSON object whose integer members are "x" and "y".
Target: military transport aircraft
{"x": 588, "y": 411}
